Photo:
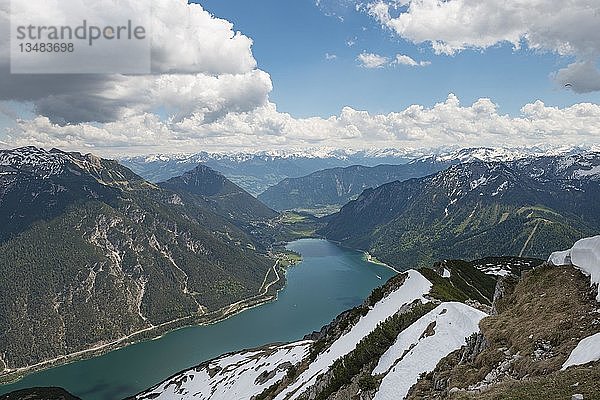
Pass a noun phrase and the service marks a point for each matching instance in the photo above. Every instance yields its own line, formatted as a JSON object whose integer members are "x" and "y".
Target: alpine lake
{"x": 328, "y": 280}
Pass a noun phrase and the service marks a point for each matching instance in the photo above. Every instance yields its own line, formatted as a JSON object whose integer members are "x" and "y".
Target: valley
{"x": 222, "y": 262}
{"x": 339, "y": 279}
{"x": 300, "y": 200}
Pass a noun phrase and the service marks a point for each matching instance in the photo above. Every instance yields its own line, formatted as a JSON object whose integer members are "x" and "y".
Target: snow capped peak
{"x": 486, "y": 177}
{"x": 273, "y": 154}
{"x": 483, "y": 154}
{"x": 44, "y": 164}
{"x": 504, "y": 154}
{"x": 40, "y": 161}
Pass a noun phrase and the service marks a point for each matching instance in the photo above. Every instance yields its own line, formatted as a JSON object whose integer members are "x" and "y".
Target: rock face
{"x": 91, "y": 253}
{"x": 476, "y": 343}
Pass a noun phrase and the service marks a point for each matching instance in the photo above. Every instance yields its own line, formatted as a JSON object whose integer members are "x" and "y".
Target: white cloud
{"x": 444, "y": 124}
{"x": 407, "y": 60}
{"x": 206, "y": 81}
{"x": 371, "y": 60}
{"x": 200, "y": 65}
{"x": 567, "y": 28}
{"x": 330, "y": 57}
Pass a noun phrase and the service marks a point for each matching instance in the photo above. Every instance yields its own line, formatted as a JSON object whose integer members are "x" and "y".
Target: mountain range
{"x": 475, "y": 209}
{"x": 336, "y": 186}
{"x": 330, "y": 189}
{"x": 255, "y": 172}
{"x": 92, "y": 256}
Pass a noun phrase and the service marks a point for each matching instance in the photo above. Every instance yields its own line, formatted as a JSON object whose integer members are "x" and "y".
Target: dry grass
{"x": 541, "y": 319}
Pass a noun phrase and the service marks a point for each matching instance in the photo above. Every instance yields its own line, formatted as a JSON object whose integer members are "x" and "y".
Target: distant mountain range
{"x": 471, "y": 210}
{"x": 332, "y": 188}
{"x": 257, "y": 171}
{"x": 337, "y": 186}
{"x": 92, "y": 254}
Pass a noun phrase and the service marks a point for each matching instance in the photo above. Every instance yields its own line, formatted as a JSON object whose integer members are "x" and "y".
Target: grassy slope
{"x": 550, "y": 306}
{"x": 465, "y": 282}
{"x": 485, "y": 230}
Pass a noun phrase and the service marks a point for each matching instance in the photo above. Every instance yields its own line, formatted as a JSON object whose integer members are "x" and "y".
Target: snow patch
{"x": 584, "y": 255}
{"x": 415, "y": 287}
{"x": 235, "y": 376}
{"x": 500, "y": 189}
{"x": 478, "y": 182}
{"x": 594, "y": 172}
{"x": 421, "y": 346}
{"x": 587, "y": 350}
{"x": 560, "y": 258}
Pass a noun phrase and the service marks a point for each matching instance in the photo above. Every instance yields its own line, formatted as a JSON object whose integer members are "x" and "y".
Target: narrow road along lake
{"x": 329, "y": 280}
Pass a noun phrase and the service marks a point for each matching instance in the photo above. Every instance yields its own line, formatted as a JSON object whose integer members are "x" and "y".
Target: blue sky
{"x": 291, "y": 39}
{"x": 272, "y": 87}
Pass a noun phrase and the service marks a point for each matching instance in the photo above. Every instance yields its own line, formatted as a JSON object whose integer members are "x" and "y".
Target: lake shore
{"x": 267, "y": 293}
{"x": 374, "y": 260}
{"x": 329, "y": 280}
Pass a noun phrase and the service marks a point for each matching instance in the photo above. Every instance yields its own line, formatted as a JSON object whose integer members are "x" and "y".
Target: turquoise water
{"x": 329, "y": 280}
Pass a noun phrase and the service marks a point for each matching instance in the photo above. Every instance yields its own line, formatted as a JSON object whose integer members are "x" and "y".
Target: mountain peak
{"x": 201, "y": 180}
{"x": 36, "y": 160}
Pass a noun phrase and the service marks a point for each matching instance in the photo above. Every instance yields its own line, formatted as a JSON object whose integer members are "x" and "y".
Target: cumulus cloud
{"x": 407, "y": 60}
{"x": 200, "y": 66}
{"x": 444, "y": 124}
{"x": 330, "y": 57}
{"x": 371, "y": 60}
{"x": 205, "y": 92}
{"x": 567, "y": 28}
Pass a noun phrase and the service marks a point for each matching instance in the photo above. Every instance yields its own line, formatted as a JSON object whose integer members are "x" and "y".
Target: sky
{"x": 238, "y": 75}
{"x": 292, "y": 40}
